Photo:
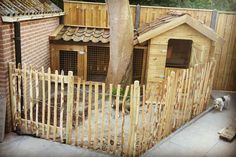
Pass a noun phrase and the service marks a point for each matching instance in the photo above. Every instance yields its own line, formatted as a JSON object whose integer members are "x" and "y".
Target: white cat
{"x": 222, "y": 102}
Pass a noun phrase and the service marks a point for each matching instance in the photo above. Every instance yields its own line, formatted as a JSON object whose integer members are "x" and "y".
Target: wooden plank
{"x": 49, "y": 103}
{"x": 83, "y": 116}
{"x": 131, "y": 118}
{"x": 43, "y": 102}
{"x": 204, "y": 30}
{"x": 136, "y": 117}
{"x": 55, "y": 107}
{"x": 37, "y": 102}
{"x": 123, "y": 119}
{"x": 89, "y": 114}
{"x": 77, "y": 112}
{"x": 143, "y": 120}
{"x": 31, "y": 96}
{"x": 96, "y": 117}
{"x": 109, "y": 118}
{"x": 103, "y": 112}
{"x": 116, "y": 121}
{"x": 62, "y": 106}
{"x": 25, "y": 93}
{"x": 70, "y": 102}
{"x": 12, "y": 92}
{"x": 56, "y": 31}
{"x": 229, "y": 132}
{"x": 19, "y": 92}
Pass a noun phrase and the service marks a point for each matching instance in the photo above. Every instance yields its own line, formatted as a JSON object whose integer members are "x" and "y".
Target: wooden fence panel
{"x": 99, "y": 119}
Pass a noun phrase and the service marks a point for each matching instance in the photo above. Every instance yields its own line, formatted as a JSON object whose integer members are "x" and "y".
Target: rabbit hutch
{"x": 176, "y": 41}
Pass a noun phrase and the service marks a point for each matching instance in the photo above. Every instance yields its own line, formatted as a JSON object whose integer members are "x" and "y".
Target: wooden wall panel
{"x": 225, "y": 76}
{"x": 95, "y": 14}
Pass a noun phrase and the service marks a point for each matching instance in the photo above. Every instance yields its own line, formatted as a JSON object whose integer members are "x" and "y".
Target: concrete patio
{"x": 200, "y": 138}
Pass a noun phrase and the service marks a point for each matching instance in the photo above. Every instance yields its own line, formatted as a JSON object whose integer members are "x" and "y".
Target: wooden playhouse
{"x": 176, "y": 41}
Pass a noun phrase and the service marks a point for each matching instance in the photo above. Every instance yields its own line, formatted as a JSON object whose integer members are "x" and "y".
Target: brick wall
{"x": 35, "y": 50}
{"x": 6, "y": 55}
{"x": 35, "y": 43}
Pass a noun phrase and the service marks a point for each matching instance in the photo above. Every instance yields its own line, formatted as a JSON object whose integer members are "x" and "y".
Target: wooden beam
{"x": 207, "y": 31}
{"x": 30, "y": 17}
{"x": 55, "y": 32}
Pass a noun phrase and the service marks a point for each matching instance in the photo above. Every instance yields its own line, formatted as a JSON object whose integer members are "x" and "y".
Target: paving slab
{"x": 26, "y": 146}
{"x": 200, "y": 138}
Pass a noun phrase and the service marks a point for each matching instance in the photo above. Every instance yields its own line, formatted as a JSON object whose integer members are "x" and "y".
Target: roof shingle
{"x": 27, "y": 7}
{"x": 83, "y": 34}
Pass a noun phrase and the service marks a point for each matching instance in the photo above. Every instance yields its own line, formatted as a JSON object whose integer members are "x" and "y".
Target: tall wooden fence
{"x": 95, "y": 14}
{"x": 126, "y": 121}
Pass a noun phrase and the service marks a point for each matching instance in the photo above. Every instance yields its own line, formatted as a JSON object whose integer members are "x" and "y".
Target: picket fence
{"x": 123, "y": 121}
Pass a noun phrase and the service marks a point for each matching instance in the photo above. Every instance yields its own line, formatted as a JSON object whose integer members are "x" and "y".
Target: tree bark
{"x": 121, "y": 42}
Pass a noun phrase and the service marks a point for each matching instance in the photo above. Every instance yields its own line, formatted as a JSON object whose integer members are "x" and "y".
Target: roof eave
{"x": 159, "y": 30}
{"x": 30, "y": 17}
{"x": 205, "y": 30}
{"x": 195, "y": 24}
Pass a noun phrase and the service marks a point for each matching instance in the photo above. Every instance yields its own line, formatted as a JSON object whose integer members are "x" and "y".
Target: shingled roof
{"x": 81, "y": 34}
{"x": 159, "y": 22}
{"x": 17, "y": 8}
{"x": 172, "y": 20}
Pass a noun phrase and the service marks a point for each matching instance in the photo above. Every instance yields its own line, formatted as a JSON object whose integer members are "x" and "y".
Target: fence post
{"x": 171, "y": 93}
{"x": 12, "y": 93}
{"x": 70, "y": 98}
{"x": 134, "y": 118}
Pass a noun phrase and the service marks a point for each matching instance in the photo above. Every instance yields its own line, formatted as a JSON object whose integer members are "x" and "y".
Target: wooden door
{"x": 70, "y": 58}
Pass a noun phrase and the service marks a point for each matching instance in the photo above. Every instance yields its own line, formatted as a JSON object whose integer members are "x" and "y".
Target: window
{"x": 98, "y": 61}
{"x": 138, "y": 64}
{"x": 179, "y": 53}
{"x": 69, "y": 61}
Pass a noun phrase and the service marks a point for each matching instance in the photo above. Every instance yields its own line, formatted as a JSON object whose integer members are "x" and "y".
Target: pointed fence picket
{"x": 66, "y": 109}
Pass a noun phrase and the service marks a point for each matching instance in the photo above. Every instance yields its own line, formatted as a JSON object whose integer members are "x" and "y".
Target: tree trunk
{"x": 121, "y": 42}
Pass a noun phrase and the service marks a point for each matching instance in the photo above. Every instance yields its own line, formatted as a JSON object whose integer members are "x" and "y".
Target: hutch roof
{"x": 171, "y": 21}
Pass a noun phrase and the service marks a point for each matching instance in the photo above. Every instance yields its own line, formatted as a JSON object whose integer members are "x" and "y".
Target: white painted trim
{"x": 30, "y": 17}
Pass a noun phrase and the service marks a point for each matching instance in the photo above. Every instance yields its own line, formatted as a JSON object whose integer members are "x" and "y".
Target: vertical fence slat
{"x": 185, "y": 96}
{"x": 37, "y": 102}
{"x": 12, "y": 92}
{"x": 70, "y": 102}
{"x": 49, "y": 102}
{"x": 77, "y": 112}
{"x": 55, "y": 106}
{"x": 89, "y": 113}
{"x": 103, "y": 112}
{"x": 83, "y": 103}
{"x": 136, "y": 114}
{"x": 130, "y": 126}
{"x": 190, "y": 94}
{"x": 62, "y": 107}
{"x": 142, "y": 128}
{"x": 116, "y": 120}
{"x": 31, "y": 97}
{"x": 96, "y": 117}
{"x": 43, "y": 103}
{"x": 25, "y": 94}
{"x": 109, "y": 118}
{"x": 19, "y": 91}
{"x": 123, "y": 118}
{"x": 180, "y": 98}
